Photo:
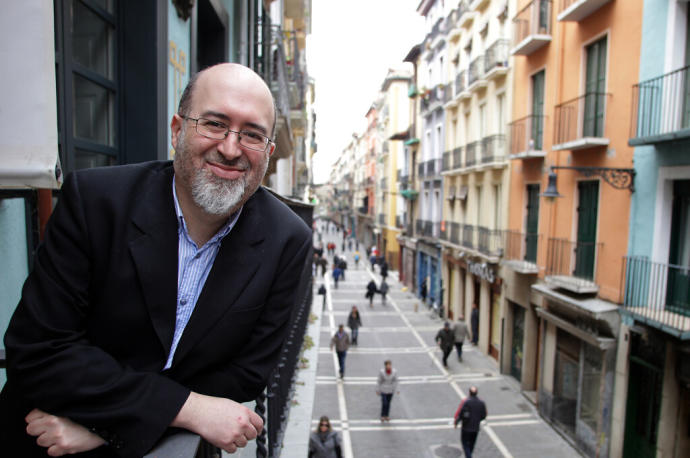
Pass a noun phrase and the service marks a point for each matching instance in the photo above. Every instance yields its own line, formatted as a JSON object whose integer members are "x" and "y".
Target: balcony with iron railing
{"x": 433, "y": 168}
{"x": 661, "y": 109}
{"x": 577, "y": 10}
{"x": 447, "y": 161}
{"x": 476, "y": 75}
{"x": 465, "y": 14}
{"x": 382, "y": 219}
{"x": 494, "y": 149}
{"x": 457, "y": 158}
{"x": 399, "y": 221}
{"x": 532, "y": 27}
{"x": 461, "y": 85}
{"x": 657, "y": 294}
{"x": 521, "y": 251}
{"x": 496, "y": 58}
{"x": 572, "y": 265}
{"x": 421, "y": 170}
{"x": 455, "y": 232}
{"x": 418, "y": 226}
{"x": 527, "y": 137}
{"x": 580, "y": 123}
{"x": 468, "y": 236}
{"x": 490, "y": 243}
{"x": 472, "y": 152}
{"x": 433, "y": 98}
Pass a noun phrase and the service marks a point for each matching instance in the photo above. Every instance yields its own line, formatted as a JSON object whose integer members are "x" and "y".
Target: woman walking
{"x": 354, "y": 322}
{"x": 386, "y": 385}
{"x": 324, "y": 442}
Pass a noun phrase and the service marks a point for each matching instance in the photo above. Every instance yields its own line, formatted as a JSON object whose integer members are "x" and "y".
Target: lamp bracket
{"x": 616, "y": 177}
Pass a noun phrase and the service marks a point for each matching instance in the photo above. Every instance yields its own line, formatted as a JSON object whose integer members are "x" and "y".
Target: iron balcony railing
{"x": 445, "y": 232}
{"x": 399, "y": 221}
{"x": 490, "y": 241}
{"x": 468, "y": 236}
{"x": 384, "y": 183}
{"x": 527, "y": 134}
{"x": 476, "y": 72}
{"x": 455, "y": 233}
{"x": 418, "y": 226}
{"x": 574, "y": 262}
{"x": 460, "y": 82}
{"x": 421, "y": 172}
{"x": 493, "y": 148}
{"x": 433, "y": 167}
{"x": 497, "y": 55}
{"x": 447, "y": 157}
{"x": 403, "y": 179}
{"x": 472, "y": 153}
{"x": 382, "y": 218}
{"x": 661, "y": 108}
{"x": 432, "y": 97}
{"x": 582, "y": 117}
{"x": 457, "y": 157}
{"x": 658, "y": 292}
{"x": 520, "y": 246}
{"x": 533, "y": 19}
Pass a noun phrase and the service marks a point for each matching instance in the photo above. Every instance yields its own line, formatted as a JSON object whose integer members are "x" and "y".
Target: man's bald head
{"x": 231, "y": 70}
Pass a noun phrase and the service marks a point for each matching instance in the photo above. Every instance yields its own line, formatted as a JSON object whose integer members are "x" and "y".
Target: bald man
{"x": 161, "y": 294}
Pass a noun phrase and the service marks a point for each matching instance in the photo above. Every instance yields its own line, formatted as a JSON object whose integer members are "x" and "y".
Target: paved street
{"x": 403, "y": 330}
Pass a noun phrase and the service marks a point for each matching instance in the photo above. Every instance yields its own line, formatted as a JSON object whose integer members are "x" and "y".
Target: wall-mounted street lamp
{"x": 616, "y": 177}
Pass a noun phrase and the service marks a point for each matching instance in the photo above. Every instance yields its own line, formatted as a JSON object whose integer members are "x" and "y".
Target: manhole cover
{"x": 505, "y": 388}
{"x": 447, "y": 451}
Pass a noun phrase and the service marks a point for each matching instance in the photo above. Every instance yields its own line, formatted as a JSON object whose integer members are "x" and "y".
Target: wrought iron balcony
{"x": 399, "y": 221}
{"x": 447, "y": 157}
{"x": 527, "y": 137}
{"x": 572, "y": 265}
{"x": 471, "y": 153}
{"x": 418, "y": 226}
{"x": 577, "y": 10}
{"x": 433, "y": 167}
{"x": 457, "y": 157}
{"x": 493, "y": 149}
{"x": 496, "y": 58}
{"x": 460, "y": 82}
{"x": 455, "y": 229}
{"x": 468, "y": 236}
{"x": 421, "y": 171}
{"x": 490, "y": 242}
{"x": 658, "y": 294}
{"x": 433, "y": 97}
{"x": 382, "y": 218}
{"x": 476, "y": 74}
{"x": 521, "y": 251}
{"x": 661, "y": 108}
{"x": 532, "y": 27}
{"x": 580, "y": 123}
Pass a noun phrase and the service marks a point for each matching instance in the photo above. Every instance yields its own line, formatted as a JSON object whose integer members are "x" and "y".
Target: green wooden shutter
{"x": 595, "y": 88}
{"x": 538, "y": 110}
{"x": 532, "y": 223}
{"x": 585, "y": 249}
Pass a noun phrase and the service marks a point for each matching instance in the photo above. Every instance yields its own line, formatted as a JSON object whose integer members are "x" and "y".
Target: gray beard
{"x": 216, "y": 196}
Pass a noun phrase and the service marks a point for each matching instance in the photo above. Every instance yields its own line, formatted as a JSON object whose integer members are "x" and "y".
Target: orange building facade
{"x": 571, "y": 185}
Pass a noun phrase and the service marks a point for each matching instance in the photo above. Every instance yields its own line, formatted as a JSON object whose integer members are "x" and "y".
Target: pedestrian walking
{"x": 322, "y": 292}
{"x": 341, "y": 342}
{"x": 474, "y": 322}
{"x": 324, "y": 442}
{"x": 349, "y": 244}
{"x": 383, "y": 268}
{"x": 423, "y": 291}
{"x": 460, "y": 333}
{"x": 386, "y": 386}
{"x": 356, "y": 259}
{"x": 471, "y": 412}
{"x": 354, "y": 322}
{"x": 444, "y": 339}
{"x": 337, "y": 272}
{"x": 342, "y": 263}
{"x": 383, "y": 289}
{"x": 371, "y": 290}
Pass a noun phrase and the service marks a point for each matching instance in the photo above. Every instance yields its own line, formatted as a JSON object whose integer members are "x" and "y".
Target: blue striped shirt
{"x": 193, "y": 267}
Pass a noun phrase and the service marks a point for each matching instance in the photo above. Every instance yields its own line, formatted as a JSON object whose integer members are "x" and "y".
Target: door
{"x": 516, "y": 352}
{"x": 495, "y": 321}
{"x": 678, "y": 287}
{"x": 537, "y": 129}
{"x": 585, "y": 248}
{"x": 595, "y": 89}
{"x": 685, "y": 121}
{"x": 566, "y": 381}
{"x": 642, "y": 410}
{"x": 532, "y": 223}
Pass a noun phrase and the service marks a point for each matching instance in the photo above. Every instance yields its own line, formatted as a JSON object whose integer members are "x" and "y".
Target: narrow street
{"x": 421, "y": 424}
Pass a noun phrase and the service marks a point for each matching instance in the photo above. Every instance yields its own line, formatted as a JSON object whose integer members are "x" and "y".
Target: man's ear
{"x": 175, "y": 129}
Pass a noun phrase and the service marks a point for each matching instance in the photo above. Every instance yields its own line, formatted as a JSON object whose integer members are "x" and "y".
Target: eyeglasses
{"x": 216, "y": 130}
{"x": 324, "y": 424}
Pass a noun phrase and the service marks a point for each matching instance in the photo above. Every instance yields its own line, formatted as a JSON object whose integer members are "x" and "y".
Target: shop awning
{"x": 28, "y": 118}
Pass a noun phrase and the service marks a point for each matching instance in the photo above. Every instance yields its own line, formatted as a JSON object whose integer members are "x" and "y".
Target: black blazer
{"x": 95, "y": 323}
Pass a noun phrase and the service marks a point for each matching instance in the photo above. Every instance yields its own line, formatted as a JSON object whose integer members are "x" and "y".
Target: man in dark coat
{"x": 161, "y": 293}
{"x": 445, "y": 339}
{"x": 474, "y": 322}
{"x": 471, "y": 412}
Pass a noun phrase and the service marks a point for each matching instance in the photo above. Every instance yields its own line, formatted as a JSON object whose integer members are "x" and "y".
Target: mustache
{"x": 238, "y": 162}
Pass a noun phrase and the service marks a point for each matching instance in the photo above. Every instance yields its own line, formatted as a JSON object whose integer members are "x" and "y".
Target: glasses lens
{"x": 211, "y": 129}
{"x": 253, "y": 140}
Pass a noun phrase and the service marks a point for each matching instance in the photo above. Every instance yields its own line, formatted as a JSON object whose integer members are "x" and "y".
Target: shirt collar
{"x": 182, "y": 224}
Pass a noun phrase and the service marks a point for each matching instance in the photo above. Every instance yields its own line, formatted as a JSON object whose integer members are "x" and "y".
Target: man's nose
{"x": 230, "y": 146}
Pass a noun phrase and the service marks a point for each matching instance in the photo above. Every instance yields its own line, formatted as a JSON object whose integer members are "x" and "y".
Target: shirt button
{"x": 183, "y": 301}
{"x": 197, "y": 256}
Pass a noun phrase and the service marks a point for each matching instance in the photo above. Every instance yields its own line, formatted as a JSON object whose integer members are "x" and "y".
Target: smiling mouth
{"x": 226, "y": 171}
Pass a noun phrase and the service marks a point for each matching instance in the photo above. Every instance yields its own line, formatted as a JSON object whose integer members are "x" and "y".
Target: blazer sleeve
{"x": 244, "y": 377}
{"x": 52, "y": 364}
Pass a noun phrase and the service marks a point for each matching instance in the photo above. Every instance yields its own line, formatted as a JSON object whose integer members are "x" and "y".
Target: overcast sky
{"x": 352, "y": 45}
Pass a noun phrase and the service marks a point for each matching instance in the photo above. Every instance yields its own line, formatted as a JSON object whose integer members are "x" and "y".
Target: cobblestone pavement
{"x": 421, "y": 414}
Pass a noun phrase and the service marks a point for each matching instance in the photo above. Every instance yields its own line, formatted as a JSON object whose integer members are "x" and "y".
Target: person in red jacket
{"x": 471, "y": 412}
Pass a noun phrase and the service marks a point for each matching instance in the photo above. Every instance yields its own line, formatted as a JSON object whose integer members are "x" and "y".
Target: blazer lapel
{"x": 237, "y": 260}
{"x": 155, "y": 253}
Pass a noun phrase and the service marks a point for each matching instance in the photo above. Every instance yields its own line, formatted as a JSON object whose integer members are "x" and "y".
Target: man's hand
{"x": 60, "y": 435}
{"x": 222, "y": 422}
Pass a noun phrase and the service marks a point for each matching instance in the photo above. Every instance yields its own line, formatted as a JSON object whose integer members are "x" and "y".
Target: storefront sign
{"x": 481, "y": 270}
